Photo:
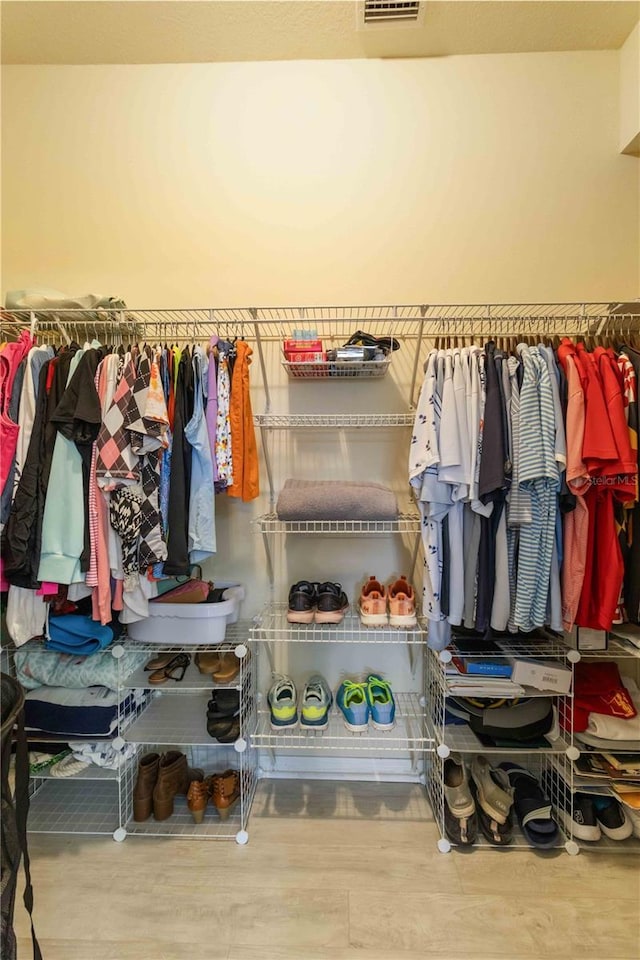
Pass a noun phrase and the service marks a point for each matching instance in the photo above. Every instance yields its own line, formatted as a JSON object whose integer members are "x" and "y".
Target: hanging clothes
{"x": 202, "y": 524}
{"x": 177, "y": 562}
{"x": 244, "y": 450}
{"x": 223, "y": 443}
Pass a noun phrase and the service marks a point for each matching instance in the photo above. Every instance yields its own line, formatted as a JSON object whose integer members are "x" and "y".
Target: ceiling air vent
{"x": 391, "y": 11}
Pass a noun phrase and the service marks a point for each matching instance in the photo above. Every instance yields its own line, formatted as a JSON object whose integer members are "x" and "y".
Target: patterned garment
{"x": 116, "y": 463}
{"x": 125, "y": 513}
{"x": 148, "y": 423}
{"x": 165, "y": 478}
{"x": 223, "y": 458}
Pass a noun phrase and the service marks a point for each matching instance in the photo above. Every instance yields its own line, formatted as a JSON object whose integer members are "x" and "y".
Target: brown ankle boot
{"x": 143, "y": 790}
{"x": 198, "y": 798}
{"x": 174, "y": 776}
{"x": 225, "y": 792}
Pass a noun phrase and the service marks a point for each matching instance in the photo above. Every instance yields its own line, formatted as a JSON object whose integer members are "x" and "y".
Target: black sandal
{"x": 177, "y": 664}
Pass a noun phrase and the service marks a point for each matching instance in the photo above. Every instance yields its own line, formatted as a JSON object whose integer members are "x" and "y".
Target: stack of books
{"x": 487, "y": 675}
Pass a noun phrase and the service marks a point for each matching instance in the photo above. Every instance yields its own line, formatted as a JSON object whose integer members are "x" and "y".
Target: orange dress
{"x": 244, "y": 450}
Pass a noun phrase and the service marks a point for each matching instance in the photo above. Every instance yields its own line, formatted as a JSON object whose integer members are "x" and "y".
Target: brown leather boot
{"x": 225, "y": 792}
{"x": 198, "y": 798}
{"x": 174, "y": 776}
{"x": 143, "y": 790}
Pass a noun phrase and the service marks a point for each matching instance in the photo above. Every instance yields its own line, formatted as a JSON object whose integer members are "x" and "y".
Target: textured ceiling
{"x": 130, "y": 31}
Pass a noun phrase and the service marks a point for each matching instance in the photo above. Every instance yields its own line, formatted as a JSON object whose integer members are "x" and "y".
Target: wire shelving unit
{"x": 272, "y": 625}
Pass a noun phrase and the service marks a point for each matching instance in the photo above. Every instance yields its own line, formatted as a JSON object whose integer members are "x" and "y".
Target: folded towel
{"x": 336, "y": 500}
{"x": 77, "y": 635}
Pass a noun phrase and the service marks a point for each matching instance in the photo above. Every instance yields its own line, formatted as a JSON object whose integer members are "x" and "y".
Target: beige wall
{"x": 465, "y": 178}
{"x": 630, "y": 93}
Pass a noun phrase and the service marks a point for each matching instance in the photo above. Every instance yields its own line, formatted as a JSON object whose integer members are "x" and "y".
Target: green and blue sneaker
{"x": 381, "y": 703}
{"x": 351, "y": 698}
{"x": 316, "y": 703}
{"x": 282, "y": 703}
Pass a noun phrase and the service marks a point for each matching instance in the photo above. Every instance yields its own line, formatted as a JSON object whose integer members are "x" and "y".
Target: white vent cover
{"x": 391, "y": 11}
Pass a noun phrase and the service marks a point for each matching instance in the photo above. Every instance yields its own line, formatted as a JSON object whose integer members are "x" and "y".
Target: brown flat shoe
{"x": 228, "y": 668}
{"x": 207, "y": 662}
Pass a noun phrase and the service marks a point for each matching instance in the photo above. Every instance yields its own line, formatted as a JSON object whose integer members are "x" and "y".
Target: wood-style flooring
{"x": 332, "y": 871}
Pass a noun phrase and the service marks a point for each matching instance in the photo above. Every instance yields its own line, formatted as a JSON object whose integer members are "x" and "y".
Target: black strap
{"x": 22, "y": 811}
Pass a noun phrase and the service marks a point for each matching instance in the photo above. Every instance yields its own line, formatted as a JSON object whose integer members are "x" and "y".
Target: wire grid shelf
{"x": 272, "y": 625}
{"x": 404, "y": 523}
{"x": 403, "y": 321}
{"x": 409, "y": 732}
{"x": 90, "y": 772}
{"x": 181, "y": 824}
{"x": 539, "y": 764}
{"x": 330, "y": 369}
{"x": 74, "y": 806}
{"x": 285, "y": 421}
{"x": 181, "y": 720}
{"x": 617, "y": 646}
{"x": 192, "y": 680}
{"x": 547, "y": 647}
{"x": 451, "y": 737}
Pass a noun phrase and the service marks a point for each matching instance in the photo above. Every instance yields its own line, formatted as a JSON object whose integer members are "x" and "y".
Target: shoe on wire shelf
{"x": 460, "y": 816}
{"x": 381, "y": 703}
{"x": 282, "y": 698}
{"x": 352, "y": 700}
{"x": 316, "y": 703}
{"x": 373, "y": 604}
{"x": 402, "y": 605}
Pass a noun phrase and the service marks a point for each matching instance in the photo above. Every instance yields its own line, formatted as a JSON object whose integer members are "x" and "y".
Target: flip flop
{"x": 177, "y": 665}
{"x": 532, "y": 807}
{"x": 160, "y": 662}
{"x": 498, "y": 831}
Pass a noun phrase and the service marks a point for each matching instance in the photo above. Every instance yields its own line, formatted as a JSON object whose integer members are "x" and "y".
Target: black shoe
{"x": 332, "y": 603}
{"x": 223, "y": 704}
{"x": 583, "y": 823}
{"x": 303, "y": 600}
{"x": 612, "y": 818}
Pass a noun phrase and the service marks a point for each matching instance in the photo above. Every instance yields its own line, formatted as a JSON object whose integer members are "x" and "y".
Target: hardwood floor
{"x": 332, "y": 871}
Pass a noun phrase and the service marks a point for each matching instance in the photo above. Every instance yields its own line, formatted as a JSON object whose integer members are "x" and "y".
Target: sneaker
{"x": 460, "y": 817}
{"x": 612, "y": 818}
{"x": 402, "y": 604}
{"x": 316, "y": 703}
{"x": 373, "y": 604}
{"x": 332, "y": 603}
{"x": 634, "y": 817}
{"x": 381, "y": 703}
{"x": 282, "y": 703}
{"x": 303, "y": 600}
{"x": 351, "y": 698}
{"x": 582, "y": 823}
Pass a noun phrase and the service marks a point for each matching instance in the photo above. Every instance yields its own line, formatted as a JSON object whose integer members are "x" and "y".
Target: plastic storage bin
{"x": 189, "y": 623}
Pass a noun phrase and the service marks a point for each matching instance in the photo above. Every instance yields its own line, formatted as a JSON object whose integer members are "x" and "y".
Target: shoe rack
{"x": 553, "y": 764}
{"x": 98, "y": 801}
{"x": 175, "y": 717}
{"x": 271, "y": 631}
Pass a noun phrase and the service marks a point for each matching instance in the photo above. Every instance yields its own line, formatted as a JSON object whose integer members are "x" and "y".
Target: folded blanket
{"x": 336, "y": 500}
{"x": 87, "y": 713}
{"x": 37, "y": 668}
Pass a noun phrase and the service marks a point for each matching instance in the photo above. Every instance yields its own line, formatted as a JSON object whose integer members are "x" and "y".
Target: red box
{"x": 302, "y": 346}
{"x": 305, "y": 356}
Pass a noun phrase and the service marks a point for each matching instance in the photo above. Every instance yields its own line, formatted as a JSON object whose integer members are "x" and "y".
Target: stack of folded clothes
{"x": 606, "y": 707}
{"x": 73, "y": 695}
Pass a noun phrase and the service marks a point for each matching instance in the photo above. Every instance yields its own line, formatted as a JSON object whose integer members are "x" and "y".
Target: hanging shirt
{"x": 202, "y": 524}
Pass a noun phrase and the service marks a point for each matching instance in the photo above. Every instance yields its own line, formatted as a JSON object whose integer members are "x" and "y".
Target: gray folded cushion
{"x": 336, "y": 500}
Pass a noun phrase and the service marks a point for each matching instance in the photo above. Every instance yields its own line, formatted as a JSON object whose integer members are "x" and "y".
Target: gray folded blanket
{"x": 336, "y": 500}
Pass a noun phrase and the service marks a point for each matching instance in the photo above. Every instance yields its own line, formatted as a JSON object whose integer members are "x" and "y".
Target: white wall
{"x": 475, "y": 178}
{"x": 630, "y": 93}
{"x": 464, "y": 178}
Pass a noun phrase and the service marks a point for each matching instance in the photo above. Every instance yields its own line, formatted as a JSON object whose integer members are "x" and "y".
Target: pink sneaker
{"x": 373, "y": 604}
{"x": 402, "y": 604}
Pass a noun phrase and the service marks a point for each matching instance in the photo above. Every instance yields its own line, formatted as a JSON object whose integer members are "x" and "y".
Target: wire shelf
{"x": 272, "y": 625}
{"x": 404, "y": 523}
{"x": 285, "y": 421}
{"x": 330, "y": 369}
{"x": 193, "y": 680}
{"x": 541, "y": 765}
{"x": 520, "y": 646}
{"x": 74, "y": 806}
{"x": 178, "y": 720}
{"x": 408, "y": 734}
{"x": 92, "y": 772}
{"x": 616, "y": 646}
{"x": 460, "y": 738}
{"x": 180, "y": 824}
